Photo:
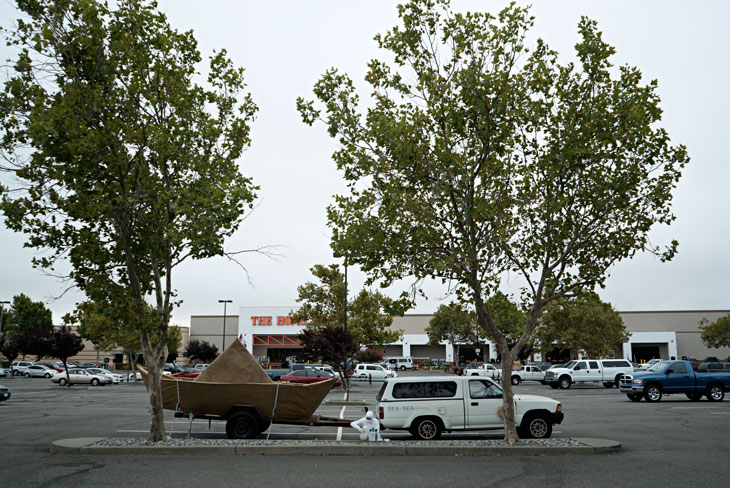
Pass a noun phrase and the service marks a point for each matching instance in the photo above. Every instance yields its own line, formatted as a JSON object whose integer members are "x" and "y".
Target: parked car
{"x": 671, "y": 377}
{"x": 400, "y": 362}
{"x": 545, "y": 365}
{"x": 693, "y": 362}
{"x": 57, "y": 367}
{"x": 4, "y": 372}
{"x": 18, "y": 367}
{"x": 173, "y": 368}
{"x": 711, "y": 359}
{"x": 486, "y": 369}
{"x": 90, "y": 365}
{"x": 364, "y": 371}
{"x": 607, "y": 371}
{"x": 528, "y": 373}
{"x": 705, "y": 367}
{"x": 327, "y": 368}
{"x": 4, "y": 393}
{"x": 307, "y": 376}
{"x": 429, "y": 405}
{"x": 188, "y": 373}
{"x": 201, "y": 366}
{"x": 131, "y": 376}
{"x": 116, "y": 378}
{"x": 39, "y": 371}
{"x": 81, "y": 376}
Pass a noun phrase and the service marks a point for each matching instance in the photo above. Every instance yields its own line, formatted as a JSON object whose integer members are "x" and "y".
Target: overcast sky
{"x": 286, "y": 45}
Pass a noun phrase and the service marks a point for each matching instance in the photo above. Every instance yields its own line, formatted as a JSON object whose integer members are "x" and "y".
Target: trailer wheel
{"x": 242, "y": 425}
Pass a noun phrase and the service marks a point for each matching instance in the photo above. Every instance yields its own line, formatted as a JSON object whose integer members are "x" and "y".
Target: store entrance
{"x": 285, "y": 354}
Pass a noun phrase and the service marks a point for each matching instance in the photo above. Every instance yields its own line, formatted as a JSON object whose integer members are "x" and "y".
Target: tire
{"x": 47, "y": 375}
{"x": 402, "y": 368}
{"x": 27, "y": 375}
{"x": 242, "y": 425}
{"x": 554, "y": 386}
{"x": 94, "y": 381}
{"x": 634, "y": 397}
{"x": 564, "y": 382}
{"x": 426, "y": 429}
{"x": 607, "y": 384}
{"x": 652, "y": 393}
{"x": 715, "y": 392}
{"x": 62, "y": 382}
{"x": 695, "y": 397}
{"x": 516, "y": 380}
{"x": 618, "y": 380}
{"x": 536, "y": 426}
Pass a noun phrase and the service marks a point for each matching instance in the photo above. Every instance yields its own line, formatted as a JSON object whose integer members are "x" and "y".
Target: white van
{"x": 608, "y": 371}
{"x": 400, "y": 362}
{"x": 426, "y": 406}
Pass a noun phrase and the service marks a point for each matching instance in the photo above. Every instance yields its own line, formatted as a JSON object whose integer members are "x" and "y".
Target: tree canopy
{"x": 481, "y": 158}
{"x": 24, "y": 314}
{"x": 717, "y": 333}
{"x": 584, "y": 323}
{"x": 127, "y": 166}
{"x": 453, "y": 323}
{"x": 201, "y": 351}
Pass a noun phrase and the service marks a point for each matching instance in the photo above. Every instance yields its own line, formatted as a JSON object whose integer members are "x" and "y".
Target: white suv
{"x": 372, "y": 372}
{"x": 19, "y": 367}
{"x": 402, "y": 363}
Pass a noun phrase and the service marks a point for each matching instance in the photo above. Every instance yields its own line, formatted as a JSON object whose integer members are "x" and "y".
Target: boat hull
{"x": 293, "y": 401}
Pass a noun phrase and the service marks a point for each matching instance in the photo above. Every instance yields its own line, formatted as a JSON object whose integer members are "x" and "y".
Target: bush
{"x": 369, "y": 355}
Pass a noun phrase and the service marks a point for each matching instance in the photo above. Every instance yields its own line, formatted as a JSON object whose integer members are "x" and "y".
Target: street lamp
{"x": 2, "y": 309}
{"x": 224, "y": 302}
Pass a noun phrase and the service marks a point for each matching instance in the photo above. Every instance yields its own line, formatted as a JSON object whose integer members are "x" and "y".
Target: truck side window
{"x": 594, "y": 364}
{"x": 483, "y": 389}
{"x": 678, "y": 368}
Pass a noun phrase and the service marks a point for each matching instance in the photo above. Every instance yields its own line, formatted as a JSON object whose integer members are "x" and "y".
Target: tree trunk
{"x": 506, "y": 358}
{"x": 154, "y": 385}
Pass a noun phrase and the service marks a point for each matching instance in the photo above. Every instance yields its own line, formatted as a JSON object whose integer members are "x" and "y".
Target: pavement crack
{"x": 78, "y": 471}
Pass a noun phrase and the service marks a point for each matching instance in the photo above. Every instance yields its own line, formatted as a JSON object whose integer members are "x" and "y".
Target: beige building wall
{"x": 411, "y": 324}
{"x": 209, "y": 328}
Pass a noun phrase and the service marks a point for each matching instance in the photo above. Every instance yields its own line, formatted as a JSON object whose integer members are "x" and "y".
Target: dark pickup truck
{"x": 672, "y": 377}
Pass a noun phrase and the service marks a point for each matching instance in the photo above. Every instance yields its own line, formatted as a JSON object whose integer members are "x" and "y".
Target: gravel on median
{"x": 135, "y": 442}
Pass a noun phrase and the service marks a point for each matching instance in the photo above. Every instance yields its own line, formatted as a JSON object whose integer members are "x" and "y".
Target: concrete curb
{"x": 84, "y": 446}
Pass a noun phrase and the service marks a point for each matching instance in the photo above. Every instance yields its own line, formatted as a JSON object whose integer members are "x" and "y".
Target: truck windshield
{"x": 569, "y": 364}
{"x": 660, "y": 366}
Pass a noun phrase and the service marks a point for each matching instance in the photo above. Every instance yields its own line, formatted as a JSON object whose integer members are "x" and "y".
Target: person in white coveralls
{"x": 368, "y": 426}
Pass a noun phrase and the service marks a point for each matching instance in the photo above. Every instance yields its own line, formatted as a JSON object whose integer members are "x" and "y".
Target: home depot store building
{"x": 268, "y": 333}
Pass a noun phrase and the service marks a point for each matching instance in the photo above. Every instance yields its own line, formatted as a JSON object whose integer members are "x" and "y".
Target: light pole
{"x": 224, "y": 302}
{"x": 2, "y": 309}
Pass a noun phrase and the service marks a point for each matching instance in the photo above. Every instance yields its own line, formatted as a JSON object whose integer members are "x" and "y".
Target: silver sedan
{"x": 81, "y": 376}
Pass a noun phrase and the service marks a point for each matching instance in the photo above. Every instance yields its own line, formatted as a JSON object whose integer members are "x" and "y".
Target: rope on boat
{"x": 273, "y": 412}
{"x": 177, "y": 385}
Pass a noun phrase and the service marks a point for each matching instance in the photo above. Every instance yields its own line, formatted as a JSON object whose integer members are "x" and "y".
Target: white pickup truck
{"x": 528, "y": 373}
{"x": 486, "y": 369}
{"x": 426, "y": 406}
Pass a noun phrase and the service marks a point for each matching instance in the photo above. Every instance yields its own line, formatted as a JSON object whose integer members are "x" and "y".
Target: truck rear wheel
{"x": 536, "y": 426}
{"x": 652, "y": 393}
{"x": 715, "y": 393}
{"x": 426, "y": 429}
{"x": 515, "y": 380}
{"x": 242, "y": 425}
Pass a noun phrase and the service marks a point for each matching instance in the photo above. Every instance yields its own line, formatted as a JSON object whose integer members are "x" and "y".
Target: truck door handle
{"x": 474, "y": 404}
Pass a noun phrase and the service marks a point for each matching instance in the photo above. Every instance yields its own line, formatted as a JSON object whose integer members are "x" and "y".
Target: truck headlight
{"x": 559, "y": 407}
{"x": 638, "y": 382}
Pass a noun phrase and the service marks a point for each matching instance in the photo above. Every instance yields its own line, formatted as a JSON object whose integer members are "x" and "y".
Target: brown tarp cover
{"x": 236, "y": 378}
{"x": 234, "y": 365}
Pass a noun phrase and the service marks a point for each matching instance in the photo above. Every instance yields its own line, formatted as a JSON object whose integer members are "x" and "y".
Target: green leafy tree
{"x": 35, "y": 341}
{"x": 331, "y": 345}
{"x": 481, "y": 157}
{"x": 585, "y": 324}
{"x": 369, "y": 355}
{"x": 717, "y": 333}
{"x": 8, "y": 347}
{"x": 24, "y": 315}
{"x": 128, "y": 167}
{"x": 452, "y": 323}
{"x": 201, "y": 351}
{"x": 369, "y": 322}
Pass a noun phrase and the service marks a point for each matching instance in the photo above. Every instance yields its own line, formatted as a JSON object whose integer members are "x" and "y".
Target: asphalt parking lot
{"x": 672, "y": 443}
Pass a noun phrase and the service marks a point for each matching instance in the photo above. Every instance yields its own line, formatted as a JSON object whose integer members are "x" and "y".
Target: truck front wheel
{"x": 565, "y": 382}
{"x": 515, "y": 380}
{"x": 426, "y": 429}
{"x": 715, "y": 393}
{"x": 536, "y": 426}
{"x": 652, "y": 393}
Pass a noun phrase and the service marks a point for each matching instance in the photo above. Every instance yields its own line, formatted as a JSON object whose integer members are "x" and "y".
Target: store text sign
{"x": 280, "y": 320}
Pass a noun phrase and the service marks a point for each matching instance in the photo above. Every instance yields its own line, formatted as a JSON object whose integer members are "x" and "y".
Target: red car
{"x": 308, "y": 376}
{"x": 188, "y": 373}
